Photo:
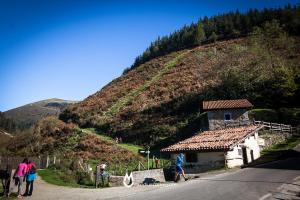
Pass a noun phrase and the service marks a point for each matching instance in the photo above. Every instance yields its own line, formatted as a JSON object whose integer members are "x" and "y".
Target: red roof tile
{"x": 226, "y": 104}
{"x": 213, "y": 140}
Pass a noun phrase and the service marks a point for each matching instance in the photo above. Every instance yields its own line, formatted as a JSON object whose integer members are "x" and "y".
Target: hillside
{"x": 51, "y": 136}
{"x": 29, "y": 114}
{"x": 160, "y": 99}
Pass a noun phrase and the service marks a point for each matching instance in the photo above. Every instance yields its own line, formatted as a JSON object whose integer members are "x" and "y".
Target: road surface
{"x": 250, "y": 183}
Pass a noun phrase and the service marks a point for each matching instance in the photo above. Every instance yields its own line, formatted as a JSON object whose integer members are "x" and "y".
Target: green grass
{"x": 53, "y": 177}
{"x": 12, "y": 196}
{"x": 128, "y": 146}
{"x": 286, "y": 145}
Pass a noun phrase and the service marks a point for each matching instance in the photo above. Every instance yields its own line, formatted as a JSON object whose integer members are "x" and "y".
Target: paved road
{"x": 250, "y": 183}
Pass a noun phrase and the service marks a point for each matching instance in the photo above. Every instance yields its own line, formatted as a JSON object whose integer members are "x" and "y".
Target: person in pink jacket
{"x": 20, "y": 174}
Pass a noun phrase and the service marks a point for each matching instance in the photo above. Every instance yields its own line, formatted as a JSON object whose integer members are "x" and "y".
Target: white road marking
{"x": 265, "y": 196}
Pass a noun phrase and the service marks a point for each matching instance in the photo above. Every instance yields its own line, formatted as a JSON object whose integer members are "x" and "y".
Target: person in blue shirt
{"x": 179, "y": 170}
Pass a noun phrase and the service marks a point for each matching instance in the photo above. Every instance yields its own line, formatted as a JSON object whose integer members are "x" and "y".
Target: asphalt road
{"x": 249, "y": 183}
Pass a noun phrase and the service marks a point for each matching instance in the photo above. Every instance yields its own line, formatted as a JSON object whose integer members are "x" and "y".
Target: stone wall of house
{"x": 216, "y": 118}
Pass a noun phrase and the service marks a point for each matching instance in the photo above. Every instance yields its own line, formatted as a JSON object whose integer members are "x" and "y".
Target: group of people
{"x": 118, "y": 140}
{"x": 26, "y": 171}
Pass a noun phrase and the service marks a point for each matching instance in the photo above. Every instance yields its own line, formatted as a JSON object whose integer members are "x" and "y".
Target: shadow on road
{"x": 289, "y": 159}
{"x": 248, "y": 181}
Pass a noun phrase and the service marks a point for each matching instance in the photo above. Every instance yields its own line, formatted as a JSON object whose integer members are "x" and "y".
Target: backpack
{"x": 32, "y": 170}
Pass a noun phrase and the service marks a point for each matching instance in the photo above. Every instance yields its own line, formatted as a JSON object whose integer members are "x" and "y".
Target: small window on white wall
{"x": 240, "y": 152}
{"x": 227, "y": 116}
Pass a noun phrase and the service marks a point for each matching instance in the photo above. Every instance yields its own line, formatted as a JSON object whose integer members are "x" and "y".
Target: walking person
{"x": 30, "y": 177}
{"x": 179, "y": 170}
{"x": 19, "y": 176}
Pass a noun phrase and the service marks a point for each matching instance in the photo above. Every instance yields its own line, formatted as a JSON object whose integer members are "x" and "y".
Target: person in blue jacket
{"x": 179, "y": 170}
{"x": 31, "y": 176}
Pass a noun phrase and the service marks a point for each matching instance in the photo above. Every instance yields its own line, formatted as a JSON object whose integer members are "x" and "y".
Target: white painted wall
{"x": 233, "y": 158}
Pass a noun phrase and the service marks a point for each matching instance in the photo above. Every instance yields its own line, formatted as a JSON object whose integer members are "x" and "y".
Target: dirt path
{"x": 43, "y": 191}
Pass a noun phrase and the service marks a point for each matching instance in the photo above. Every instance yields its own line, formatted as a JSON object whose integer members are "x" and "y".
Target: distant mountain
{"x": 29, "y": 114}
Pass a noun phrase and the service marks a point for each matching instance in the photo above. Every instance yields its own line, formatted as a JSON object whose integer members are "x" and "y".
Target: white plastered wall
{"x": 233, "y": 158}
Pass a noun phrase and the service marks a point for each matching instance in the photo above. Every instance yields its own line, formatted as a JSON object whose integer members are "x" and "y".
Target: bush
{"x": 268, "y": 115}
{"x": 283, "y": 115}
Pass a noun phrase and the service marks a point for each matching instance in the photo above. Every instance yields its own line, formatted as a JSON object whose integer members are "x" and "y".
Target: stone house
{"x": 227, "y": 113}
{"x": 232, "y": 140}
{"x": 228, "y": 147}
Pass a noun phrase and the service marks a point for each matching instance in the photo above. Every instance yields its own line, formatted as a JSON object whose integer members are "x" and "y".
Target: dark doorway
{"x": 245, "y": 159}
{"x": 252, "y": 156}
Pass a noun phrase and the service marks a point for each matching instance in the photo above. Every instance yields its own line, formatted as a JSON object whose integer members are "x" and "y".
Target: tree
{"x": 200, "y": 34}
{"x": 213, "y": 37}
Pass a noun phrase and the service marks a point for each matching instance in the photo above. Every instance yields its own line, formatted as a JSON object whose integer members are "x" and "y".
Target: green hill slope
{"x": 160, "y": 99}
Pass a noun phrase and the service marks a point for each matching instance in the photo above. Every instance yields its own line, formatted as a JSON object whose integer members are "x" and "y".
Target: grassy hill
{"x": 54, "y": 137}
{"x": 160, "y": 99}
{"x": 29, "y": 114}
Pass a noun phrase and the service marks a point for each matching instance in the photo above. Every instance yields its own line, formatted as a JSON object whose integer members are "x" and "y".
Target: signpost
{"x": 148, "y": 153}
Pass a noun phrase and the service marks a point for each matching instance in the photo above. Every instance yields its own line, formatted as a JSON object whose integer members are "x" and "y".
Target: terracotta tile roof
{"x": 213, "y": 140}
{"x": 225, "y": 104}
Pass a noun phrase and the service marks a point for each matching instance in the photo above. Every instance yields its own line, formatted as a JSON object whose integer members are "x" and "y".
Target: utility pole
{"x": 148, "y": 152}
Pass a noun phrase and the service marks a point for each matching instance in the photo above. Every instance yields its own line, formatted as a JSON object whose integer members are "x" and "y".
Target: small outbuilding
{"x": 228, "y": 147}
{"x": 227, "y": 113}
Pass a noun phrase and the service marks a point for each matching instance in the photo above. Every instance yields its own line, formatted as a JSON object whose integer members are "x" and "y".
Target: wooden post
{"x": 47, "y": 161}
{"x": 54, "y": 159}
{"x": 271, "y": 126}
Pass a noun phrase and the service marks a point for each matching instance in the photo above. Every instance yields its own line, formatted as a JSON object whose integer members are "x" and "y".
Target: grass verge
{"x": 55, "y": 177}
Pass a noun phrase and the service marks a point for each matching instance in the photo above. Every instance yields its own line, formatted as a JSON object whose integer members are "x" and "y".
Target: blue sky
{"x": 70, "y": 49}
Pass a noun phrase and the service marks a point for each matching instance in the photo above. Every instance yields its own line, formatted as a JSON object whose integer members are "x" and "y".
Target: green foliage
{"x": 7, "y": 123}
{"x": 57, "y": 177}
{"x": 268, "y": 115}
{"x": 66, "y": 173}
{"x": 269, "y": 80}
{"x": 222, "y": 26}
{"x": 213, "y": 37}
{"x": 281, "y": 115}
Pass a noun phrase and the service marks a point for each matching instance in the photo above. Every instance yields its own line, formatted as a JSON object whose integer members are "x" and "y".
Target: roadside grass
{"x": 278, "y": 151}
{"x": 11, "y": 197}
{"x": 56, "y": 177}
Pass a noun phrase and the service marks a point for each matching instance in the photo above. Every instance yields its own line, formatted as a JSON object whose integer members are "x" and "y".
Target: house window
{"x": 240, "y": 152}
{"x": 191, "y": 157}
{"x": 227, "y": 116}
